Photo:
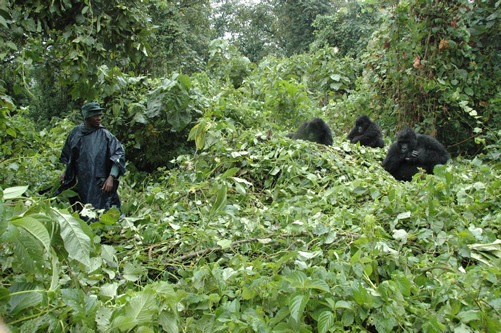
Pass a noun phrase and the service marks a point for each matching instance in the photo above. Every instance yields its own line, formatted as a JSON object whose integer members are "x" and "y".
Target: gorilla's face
{"x": 361, "y": 124}
{"x": 407, "y": 141}
{"x": 404, "y": 147}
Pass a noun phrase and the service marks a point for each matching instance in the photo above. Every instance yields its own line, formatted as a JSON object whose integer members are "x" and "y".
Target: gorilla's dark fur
{"x": 315, "y": 130}
{"x": 413, "y": 151}
{"x": 367, "y": 133}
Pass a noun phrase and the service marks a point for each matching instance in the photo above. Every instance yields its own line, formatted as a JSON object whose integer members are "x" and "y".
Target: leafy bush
{"x": 151, "y": 117}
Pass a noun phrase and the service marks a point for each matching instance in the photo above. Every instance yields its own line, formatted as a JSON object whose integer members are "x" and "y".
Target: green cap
{"x": 91, "y": 109}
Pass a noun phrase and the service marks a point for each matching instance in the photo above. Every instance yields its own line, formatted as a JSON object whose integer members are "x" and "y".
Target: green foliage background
{"x": 229, "y": 225}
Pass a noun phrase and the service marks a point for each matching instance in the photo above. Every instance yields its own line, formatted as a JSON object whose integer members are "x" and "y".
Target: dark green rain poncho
{"x": 90, "y": 154}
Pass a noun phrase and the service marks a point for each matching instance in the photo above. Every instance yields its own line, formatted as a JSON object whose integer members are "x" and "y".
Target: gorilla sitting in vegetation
{"x": 367, "y": 133}
{"x": 413, "y": 151}
{"x": 315, "y": 130}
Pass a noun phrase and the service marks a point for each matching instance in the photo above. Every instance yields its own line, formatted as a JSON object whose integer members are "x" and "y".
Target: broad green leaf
{"x": 297, "y": 305}
{"x": 103, "y": 318}
{"x": 4, "y": 295}
{"x": 76, "y": 242}
{"x": 348, "y": 318}
{"x": 404, "y": 284}
{"x": 403, "y": 216}
{"x": 325, "y": 321}
{"x": 3, "y": 22}
{"x": 12, "y": 132}
{"x": 344, "y": 305}
{"x": 54, "y": 283}
{"x": 110, "y": 217}
{"x": 336, "y": 77}
{"x": 197, "y": 133}
{"x": 230, "y": 173}
{"x": 28, "y": 252}
{"x": 470, "y": 315}
{"x": 35, "y": 228}
{"x": 224, "y": 243}
{"x": 133, "y": 272}
{"x": 23, "y": 296}
{"x": 109, "y": 290}
{"x": 184, "y": 80}
{"x": 179, "y": 119}
{"x": 318, "y": 284}
{"x": 169, "y": 321}
{"x": 299, "y": 278}
{"x": 14, "y": 192}
{"x": 360, "y": 294}
{"x": 140, "y": 310}
{"x": 11, "y": 45}
{"x": 220, "y": 202}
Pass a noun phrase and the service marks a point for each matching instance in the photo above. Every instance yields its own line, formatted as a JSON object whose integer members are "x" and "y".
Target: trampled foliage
{"x": 257, "y": 232}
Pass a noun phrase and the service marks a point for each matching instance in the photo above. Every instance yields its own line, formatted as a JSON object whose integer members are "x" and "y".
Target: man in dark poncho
{"x": 94, "y": 160}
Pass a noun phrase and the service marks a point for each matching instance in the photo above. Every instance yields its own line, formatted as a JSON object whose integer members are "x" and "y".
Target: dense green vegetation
{"x": 229, "y": 225}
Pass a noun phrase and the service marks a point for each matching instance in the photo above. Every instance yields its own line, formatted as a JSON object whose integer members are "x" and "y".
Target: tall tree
{"x": 295, "y": 30}
{"x": 181, "y": 37}
{"x": 250, "y": 27}
{"x": 348, "y": 27}
{"x": 72, "y": 38}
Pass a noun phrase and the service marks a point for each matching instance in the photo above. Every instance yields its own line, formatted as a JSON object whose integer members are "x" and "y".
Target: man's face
{"x": 94, "y": 121}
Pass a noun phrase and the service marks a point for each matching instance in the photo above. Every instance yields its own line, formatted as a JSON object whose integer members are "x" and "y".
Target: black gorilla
{"x": 367, "y": 133}
{"x": 413, "y": 151}
{"x": 315, "y": 130}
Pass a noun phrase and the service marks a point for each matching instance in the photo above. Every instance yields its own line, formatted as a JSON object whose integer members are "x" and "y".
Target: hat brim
{"x": 93, "y": 113}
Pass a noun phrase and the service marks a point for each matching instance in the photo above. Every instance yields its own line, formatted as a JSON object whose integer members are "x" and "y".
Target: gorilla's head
{"x": 407, "y": 140}
{"x": 362, "y": 123}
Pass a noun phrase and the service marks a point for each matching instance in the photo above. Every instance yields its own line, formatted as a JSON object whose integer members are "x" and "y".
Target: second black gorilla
{"x": 367, "y": 133}
{"x": 413, "y": 151}
{"x": 315, "y": 130}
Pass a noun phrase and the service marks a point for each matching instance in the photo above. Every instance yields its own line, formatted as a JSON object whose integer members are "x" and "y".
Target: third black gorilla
{"x": 413, "y": 151}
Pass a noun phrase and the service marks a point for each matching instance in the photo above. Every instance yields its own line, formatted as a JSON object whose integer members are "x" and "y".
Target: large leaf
{"x": 197, "y": 133}
{"x": 35, "y": 228}
{"x": 24, "y": 295}
{"x": 220, "y": 202}
{"x": 325, "y": 321}
{"x": 76, "y": 242}
{"x": 28, "y": 252}
{"x": 14, "y": 192}
{"x": 138, "y": 311}
{"x": 297, "y": 305}
{"x": 318, "y": 284}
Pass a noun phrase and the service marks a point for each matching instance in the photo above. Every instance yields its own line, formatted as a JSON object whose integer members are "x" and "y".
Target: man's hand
{"x": 61, "y": 178}
{"x": 108, "y": 184}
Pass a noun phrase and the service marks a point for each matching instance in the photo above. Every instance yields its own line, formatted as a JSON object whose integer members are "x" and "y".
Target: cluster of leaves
{"x": 260, "y": 233}
{"x": 150, "y": 114}
{"x": 348, "y": 28}
{"x": 52, "y": 55}
{"x": 74, "y": 38}
{"x": 293, "y": 89}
